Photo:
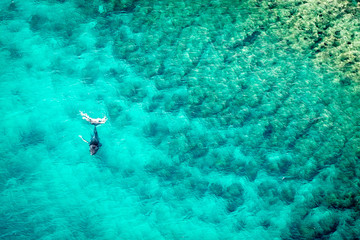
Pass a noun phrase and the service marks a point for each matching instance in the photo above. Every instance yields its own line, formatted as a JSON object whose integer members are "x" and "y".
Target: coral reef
{"x": 326, "y": 31}
{"x": 227, "y": 119}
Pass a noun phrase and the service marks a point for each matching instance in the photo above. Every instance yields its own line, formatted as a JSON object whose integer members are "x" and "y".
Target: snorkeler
{"x": 94, "y": 143}
{"x": 93, "y": 121}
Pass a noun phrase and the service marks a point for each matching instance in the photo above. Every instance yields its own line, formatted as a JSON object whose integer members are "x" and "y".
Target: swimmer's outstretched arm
{"x": 93, "y": 121}
{"x": 83, "y": 139}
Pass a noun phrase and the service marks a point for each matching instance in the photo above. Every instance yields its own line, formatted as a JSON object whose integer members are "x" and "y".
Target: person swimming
{"x": 93, "y": 121}
{"x": 94, "y": 143}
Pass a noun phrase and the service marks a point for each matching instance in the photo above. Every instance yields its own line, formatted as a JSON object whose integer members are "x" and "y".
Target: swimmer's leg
{"x": 96, "y": 134}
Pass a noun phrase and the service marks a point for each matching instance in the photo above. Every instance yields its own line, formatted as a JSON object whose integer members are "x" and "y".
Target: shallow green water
{"x": 216, "y": 129}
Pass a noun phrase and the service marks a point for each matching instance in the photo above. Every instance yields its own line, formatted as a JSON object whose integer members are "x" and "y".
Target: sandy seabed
{"x": 219, "y": 128}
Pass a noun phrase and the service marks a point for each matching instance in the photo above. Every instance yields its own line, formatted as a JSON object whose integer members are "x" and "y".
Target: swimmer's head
{"x": 93, "y": 149}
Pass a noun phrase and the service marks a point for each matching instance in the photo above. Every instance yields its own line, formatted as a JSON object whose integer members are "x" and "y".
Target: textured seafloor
{"x": 227, "y": 119}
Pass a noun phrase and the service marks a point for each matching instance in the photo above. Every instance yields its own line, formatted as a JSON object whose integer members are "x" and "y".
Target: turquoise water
{"x": 217, "y": 128}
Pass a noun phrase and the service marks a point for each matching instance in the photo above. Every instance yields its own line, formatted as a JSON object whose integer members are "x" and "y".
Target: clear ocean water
{"x": 225, "y": 120}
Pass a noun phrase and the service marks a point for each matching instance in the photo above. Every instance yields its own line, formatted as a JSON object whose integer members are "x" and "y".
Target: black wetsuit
{"x": 94, "y": 143}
